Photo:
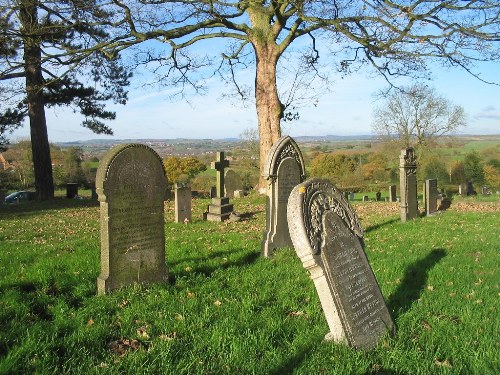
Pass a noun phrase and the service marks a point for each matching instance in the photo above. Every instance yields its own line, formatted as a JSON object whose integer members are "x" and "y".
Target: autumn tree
{"x": 416, "y": 115}
{"x": 37, "y": 72}
{"x": 182, "y": 169}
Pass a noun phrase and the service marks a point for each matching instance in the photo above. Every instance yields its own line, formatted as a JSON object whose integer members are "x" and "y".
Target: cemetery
{"x": 309, "y": 280}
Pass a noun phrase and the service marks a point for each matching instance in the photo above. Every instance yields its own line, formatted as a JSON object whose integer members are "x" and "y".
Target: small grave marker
{"x": 392, "y": 193}
{"x": 182, "y": 203}
{"x": 131, "y": 184}
{"x": 431, "y": 193}
{"x": 328, "y": 238}
{"x": 232, "y": 182}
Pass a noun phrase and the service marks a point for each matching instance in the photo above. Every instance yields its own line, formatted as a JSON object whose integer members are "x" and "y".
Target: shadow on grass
{"x": 58, "y": 203}
{"x": 413, "y": 282}
{"x": 377, "y": 226}
{"x": 248, "y": 215}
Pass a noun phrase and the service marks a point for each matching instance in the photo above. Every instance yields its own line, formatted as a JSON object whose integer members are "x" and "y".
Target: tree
{"x": 182, "y": 169}
{"x": 34, "y": 41}
{"x": 473, "y": 168}
{"x": 415, "y": 115}
{"x": 395, "y": 38}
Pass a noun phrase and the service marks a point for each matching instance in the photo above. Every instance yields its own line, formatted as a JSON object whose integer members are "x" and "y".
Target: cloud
{"x": 489, "y": 112}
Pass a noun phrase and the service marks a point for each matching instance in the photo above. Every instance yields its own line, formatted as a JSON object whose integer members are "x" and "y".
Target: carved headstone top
{"x": 327, "y": 236}
{"x": 131, "y": 186}
{"x": 283, "y": 148}
{"x": 408, "y": 160}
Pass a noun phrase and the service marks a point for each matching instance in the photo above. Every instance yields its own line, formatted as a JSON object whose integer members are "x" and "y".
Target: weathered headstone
{"x": 284, "y": 169}
{"x": 71, "y": 190}
{"x": 378, "y": 196}
{"x": 392, "y": 193}
{"x": 470, "y": 188}
{"x": 328, "y": 238}
{"x": 408, "y": 184}
{"x": 182, "y": 203}
{"x": 131, "y": 184}
{"x": 219, "y": 209}
{"x": 232, "y": 182}
{"x": 351, "y": 196}
{"x": 431, "y": 193}
{"x": 213, "y": 192}
{"x": 365, "y": 198}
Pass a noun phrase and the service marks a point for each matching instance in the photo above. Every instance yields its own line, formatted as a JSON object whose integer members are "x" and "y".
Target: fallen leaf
{"x": 217, "y": 303}
{"x": 426, "y": 325}
{"x": 444, "y": 363}
{"x": 122, "y": 346}
{"x": 168, "y": 337}
{"x": 141, "y": 332}
{"x": 430, "y": 287}
{"x": 90, "y": 322}
{"x": 191, "y": 295}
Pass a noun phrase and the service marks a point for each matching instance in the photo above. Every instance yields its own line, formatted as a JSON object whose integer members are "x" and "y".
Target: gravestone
{"x": 219, "y": 209}
{"x": 470, "y": 188}
{"x": 71, "y": 190}
{"x": 213, "y": 191}
{"x": 232, "y": 182}
{"x": 378, "y": 196}
{"x": 351, "y": 196}
{"x": 392, "y": 193}
{"x": 431, "y": 193}
{"x": 462, "y": 189}
{"x": 365, "y": 198}
{"x": 239, "y": 193}
{"x": 182, "y": 203}
{"x": 408, "y": 184}
{"x": 131, "y": 184}
{"x": 93, "y": 193}
{"x": 284, "y": 169}
{"x": 328, "y": 238}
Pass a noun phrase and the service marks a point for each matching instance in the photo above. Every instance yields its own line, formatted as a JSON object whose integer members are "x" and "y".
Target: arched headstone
{"x": 284, "y": 170}
{"x": 131, "y": 186}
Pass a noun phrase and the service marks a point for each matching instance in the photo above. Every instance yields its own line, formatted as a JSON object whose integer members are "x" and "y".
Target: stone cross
{"x": 219, "y": 166}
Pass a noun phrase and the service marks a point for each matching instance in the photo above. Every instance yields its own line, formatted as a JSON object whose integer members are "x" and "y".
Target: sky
{"x": 346, "y": 110}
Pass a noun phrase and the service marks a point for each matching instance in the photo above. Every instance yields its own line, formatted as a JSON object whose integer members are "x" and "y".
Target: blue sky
{"x": 346, "y": 110}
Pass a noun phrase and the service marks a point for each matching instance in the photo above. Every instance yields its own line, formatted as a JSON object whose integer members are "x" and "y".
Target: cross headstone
{"x": 408, "y": 184}
{"x": 328, "y": 238}
{"x": 131, "y": 185}
{"x": 182, "y": 203}
{"x": 284, "y": 169}
{"x": 392, "y": 193}
{"x": 219, "y": 209}
{"x": 431, "y": 193}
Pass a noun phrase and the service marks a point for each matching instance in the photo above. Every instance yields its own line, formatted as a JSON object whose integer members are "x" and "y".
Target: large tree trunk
{"x": 42, "y": 163}
{"x": 267, "y": 102}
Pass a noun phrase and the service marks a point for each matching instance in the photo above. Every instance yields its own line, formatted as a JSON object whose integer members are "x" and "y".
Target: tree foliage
{"x": 473, "y": 168}
{"x": 182, "y": 169}
{"x": 416, "y": 115}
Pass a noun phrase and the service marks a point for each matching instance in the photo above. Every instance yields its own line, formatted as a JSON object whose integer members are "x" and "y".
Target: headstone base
{"x": 219, "y": 210}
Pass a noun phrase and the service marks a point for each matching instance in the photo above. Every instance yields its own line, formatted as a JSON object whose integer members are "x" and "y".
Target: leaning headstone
{"x": 392, "y": 193}
{"x": 284, "y": 169}
{"x": 182, "y": 203}
{"x": 408, "y": 184}
{"x": 232, "y": 182}
{"x": 131, "y": 184}
{"x": 219, "y": 209}
{"x": 431, "y": 193}
{"x": 328, "y": 238}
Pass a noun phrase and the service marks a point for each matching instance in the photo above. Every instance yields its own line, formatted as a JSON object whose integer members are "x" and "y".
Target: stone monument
{"x": 284, "y": 169}
{"x": 131, "y": 184}
{"x": 219, "y": 209}
{"x": 430, "y": 193}
{"x": 408, "y": 184}
{"x": 182, "y": 203}
{"x": 328, "y": 238}
{"x": 232, "y": 182}
{"x": 392, "y": 193}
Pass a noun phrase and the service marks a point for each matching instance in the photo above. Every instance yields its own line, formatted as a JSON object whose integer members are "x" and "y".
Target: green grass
{"x": 231, "y": 311}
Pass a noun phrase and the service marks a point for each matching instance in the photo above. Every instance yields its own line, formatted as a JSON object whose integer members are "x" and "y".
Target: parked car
{"x": 20, "y": 196}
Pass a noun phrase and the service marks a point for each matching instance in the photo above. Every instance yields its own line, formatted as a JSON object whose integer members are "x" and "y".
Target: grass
{"x": 231, "y": 311}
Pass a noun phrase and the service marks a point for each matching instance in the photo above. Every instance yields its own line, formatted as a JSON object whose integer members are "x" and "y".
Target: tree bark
{"x": 268, "y": 105}
{"x": 42, "y": 163}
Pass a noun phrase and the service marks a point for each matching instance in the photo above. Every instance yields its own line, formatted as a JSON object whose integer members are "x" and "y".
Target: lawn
{"x": 228, "y": 310}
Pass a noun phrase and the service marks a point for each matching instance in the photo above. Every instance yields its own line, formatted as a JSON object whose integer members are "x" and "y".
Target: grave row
{"x": 313, "y": 216}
